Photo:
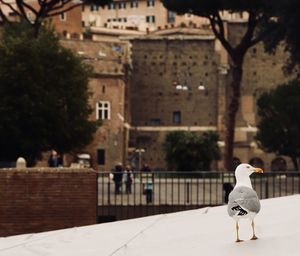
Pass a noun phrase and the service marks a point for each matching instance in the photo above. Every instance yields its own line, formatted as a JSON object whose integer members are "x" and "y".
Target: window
{"x": 103, "y": 110}
{"x": 171, "y": 17}
{"x": 122, "y": 5}
{"x": 150, "y": 3}
{"x": 134, "y": 4}
{"x": 111, "y": 6}
{"x": 63, "y": 16}
{"x": 101, "y": 156}
{"x": 150, "y": 19}
{"x": 94, "y": 7}
{"x": 176, "y": 117}
{"x": 155, "y": 121}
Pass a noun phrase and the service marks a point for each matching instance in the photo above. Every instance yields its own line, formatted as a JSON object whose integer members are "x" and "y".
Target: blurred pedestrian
{"x": 148, "y": 180}
{"x": 54, "y": 159}
{"x": 128, "y": 179}
{"x": 117, "y": 177}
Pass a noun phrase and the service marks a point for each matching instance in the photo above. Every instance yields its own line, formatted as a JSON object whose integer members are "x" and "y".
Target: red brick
{"x": 36, "y": 200}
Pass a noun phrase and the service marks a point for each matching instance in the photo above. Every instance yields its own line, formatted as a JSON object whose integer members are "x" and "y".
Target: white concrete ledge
{"x": 207, "y": 231}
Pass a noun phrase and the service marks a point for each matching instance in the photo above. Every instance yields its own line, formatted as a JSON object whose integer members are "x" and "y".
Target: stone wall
{"x": 108, "y": 84}
{"x": 36, "y": 200}
{"x": 159, "y": 63}
{"x": 110, "y": 135}
{"x": 158, "y": 66}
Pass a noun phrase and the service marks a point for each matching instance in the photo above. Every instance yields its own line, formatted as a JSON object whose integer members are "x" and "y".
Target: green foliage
{"x": 187, "y": 151}
{"x": 279, "y": 125}
{"x": 44, "y": 95}
{"x": 210, "y": 7}
{"x": 286, "y": 30}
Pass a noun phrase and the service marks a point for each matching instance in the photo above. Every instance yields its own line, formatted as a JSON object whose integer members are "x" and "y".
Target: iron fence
{"x": 182, "y": 190}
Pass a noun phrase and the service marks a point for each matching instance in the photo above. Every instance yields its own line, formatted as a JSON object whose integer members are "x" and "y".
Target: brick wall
{"x": 42, "y": 199}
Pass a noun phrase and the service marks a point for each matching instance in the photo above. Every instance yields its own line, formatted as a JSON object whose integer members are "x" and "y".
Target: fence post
{"x": 267, "y": 188}
{"x": 187, "y": 192}
{"x": 108, "y": 192}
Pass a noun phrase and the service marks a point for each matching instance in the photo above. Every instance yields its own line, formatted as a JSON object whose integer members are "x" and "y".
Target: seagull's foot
{"x": 254, "y": 237}
{"x": 239, "y": 241}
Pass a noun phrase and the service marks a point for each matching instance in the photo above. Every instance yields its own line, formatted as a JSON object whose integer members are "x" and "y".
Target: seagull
{"x": 243, "y": 201}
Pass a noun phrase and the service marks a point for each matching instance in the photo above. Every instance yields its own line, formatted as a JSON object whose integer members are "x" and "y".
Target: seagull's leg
{"x": 254, "y": 237}
{"x": 237, "y": 233}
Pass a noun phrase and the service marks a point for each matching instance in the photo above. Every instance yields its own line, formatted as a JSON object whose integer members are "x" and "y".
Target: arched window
{"x": 257, "y": 162}
{"x": 103, "y": 110}
{"x": 278, "y": 165}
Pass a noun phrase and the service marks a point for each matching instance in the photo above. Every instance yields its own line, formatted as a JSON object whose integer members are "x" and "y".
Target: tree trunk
{"x": 36, "y": 28}
{"x": 232, "y": 109}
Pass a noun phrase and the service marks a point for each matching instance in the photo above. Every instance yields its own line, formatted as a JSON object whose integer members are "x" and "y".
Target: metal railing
{"x": 174, "y": 191}
{"x": 197, "y": 188}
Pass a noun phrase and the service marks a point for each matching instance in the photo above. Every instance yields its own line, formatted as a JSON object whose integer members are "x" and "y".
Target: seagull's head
{"x": 242, "y": 173}
{"x": 246, "y": 170}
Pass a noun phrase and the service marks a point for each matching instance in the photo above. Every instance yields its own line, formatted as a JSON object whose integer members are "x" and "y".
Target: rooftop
{"x": 207, "y": 231}
{"x": 105, "y": 57}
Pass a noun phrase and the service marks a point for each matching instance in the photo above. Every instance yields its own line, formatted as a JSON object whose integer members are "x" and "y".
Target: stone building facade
{"x": 159, "y": 105}
{"x": 108, "y": 100}
{"x": 142, "y": 15}
{"x": 67, "y": 24}
{"x": 160, "y": 65}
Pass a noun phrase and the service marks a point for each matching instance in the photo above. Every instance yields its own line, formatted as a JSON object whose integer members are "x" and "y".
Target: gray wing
{"x": 243, "y": 200}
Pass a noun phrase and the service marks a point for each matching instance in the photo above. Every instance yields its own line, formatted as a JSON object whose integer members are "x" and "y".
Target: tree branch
{"x": 220, "y": 34}
{"x": 10, "y": 7}
{"x": 28, "y": 6}
{"x": 261, "y": 36}
{"x": 3, "y": 17}
{"x": 245, "y": 42}
{"x": 20, "y": 4}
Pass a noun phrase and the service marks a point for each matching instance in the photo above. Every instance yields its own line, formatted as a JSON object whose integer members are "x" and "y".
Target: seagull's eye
{"x": 248, "y": 166}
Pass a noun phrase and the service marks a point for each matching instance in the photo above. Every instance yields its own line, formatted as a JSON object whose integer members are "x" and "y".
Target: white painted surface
{"x": 207, "y": 232}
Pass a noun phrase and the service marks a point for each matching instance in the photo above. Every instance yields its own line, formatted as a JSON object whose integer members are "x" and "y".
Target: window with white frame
{"x": 171, "y": 17}
{"x": 122, "y": 5}
{"x": 103, "y": 110}
{"x": 150, "y": 3}
{"x": 134, "y": 4}
{"x": 111, "y": 6}
{"x": 94, "y": 8}
{"x": 150, "y": 19}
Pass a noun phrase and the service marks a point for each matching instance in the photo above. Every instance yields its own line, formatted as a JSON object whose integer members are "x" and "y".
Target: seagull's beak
{"x": 258, "y": 170}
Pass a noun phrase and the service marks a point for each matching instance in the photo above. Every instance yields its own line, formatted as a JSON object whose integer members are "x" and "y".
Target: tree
{"x": 187, "y": 151}
{"x": 44, "y": 96}
{"x": 279, "y": 125}
{"x": 259, "y": 13}
{"x": 35, "y": 12}
{"x": 286, "y": 32}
